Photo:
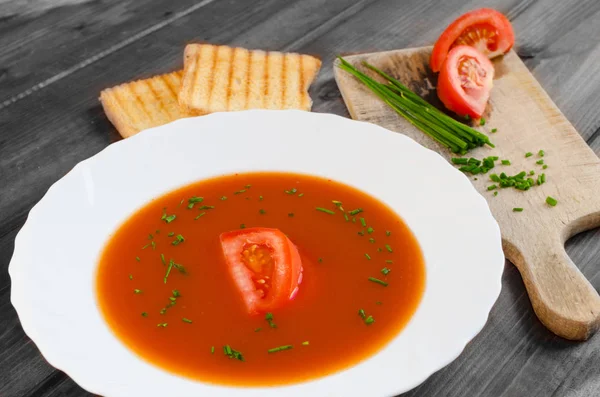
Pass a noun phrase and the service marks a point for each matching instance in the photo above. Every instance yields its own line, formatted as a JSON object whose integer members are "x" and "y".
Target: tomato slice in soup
{"x": 264, "y": 265}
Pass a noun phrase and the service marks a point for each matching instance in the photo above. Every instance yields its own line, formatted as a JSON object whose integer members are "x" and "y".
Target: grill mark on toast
{"x": 195, "y": 63}
{"x": 172, "y": 91}
{"x": 247, "y": 99}
{"x": 119, "y": 103}
{"x": 301, "y": 85}
{"x": 266, "y": 81}
{"x": 212, "y": 77}
{"x": 283, "y": 80}
{"x": 140, "y": 101}
{"x": 229, "y": 85}
{"x": 158, "y": 98}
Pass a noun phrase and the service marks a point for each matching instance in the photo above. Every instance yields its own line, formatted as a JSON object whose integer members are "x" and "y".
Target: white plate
{"x": 56, "y": 252}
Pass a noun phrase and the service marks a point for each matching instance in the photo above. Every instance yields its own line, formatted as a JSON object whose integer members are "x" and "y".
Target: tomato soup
{"x": 165, "y": 289}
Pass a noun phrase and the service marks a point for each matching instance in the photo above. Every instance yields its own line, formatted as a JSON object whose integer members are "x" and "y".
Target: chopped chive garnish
{"x": 176, "y": 293}
{"x": 362, "y": 314}
{"x": 240, "y": 191}
{"x": 171, "y": 234}
{"x": 186, "y": 320}
{"x": 260, "y": 198}
{"x": 325, "y": 211}
{"x": 385, "y": 271}
{"x": 545, "y": 166}
{"x": 495, "y": 194}
{"x": 178, "y": 240}
{"x": 505, "y": 162}
{"x": 193, "y": 201}
{"x": 163, "y": 310}
{"x": 356, "y": 211}
{"x": 389, "y": 261}
{"x": 379, "y": 303}
{"x": 223, "y": 198}
{"x": 460, "y": 160}
{"x": 494, "y": 130}
{"x": 482, "y": 121}
{"x": 162, "y": 325}
{"x": 532, "y": 172}
{"x": 172, "y": 298}
{"x": 551, "y": 201}
{"x": 492, "y": 187}
{"x": 291, "y": 214}
{"x": 167, "y": 218}
{"x": 361, "y": 233}
{"x": 353, "y": 220}
{"x": 150, "y": 236}
{"x": 372, "y": 240}
{"x": 257, "y": 329}
{"x": 378, "y": 281}
{"x": 181, "y": 268}
{"x": 387, "y": 247}
{"x": 181, "y": 202}
{"x": 199, "y": 215}
{"x": 517, "y": 209}
{"x": 369, "y": 320}
{"x": 346, "y": 217}
{"x": 541, "y": 153}
{"x": 137, "y": 291}
{"x": 153, "y": 244}
{"x": 305, "y": 343}
{"x": 280, "y": 348}
{"x": 301, "y": 194}
{"x": 528, "y": 154}
{"x": 207, "y": 207}
{"x": 379, "y": 249}
{"x": 261, "y": 211}
{"x": 162, "y": 258}
{"x": 269, "y": 319}
{"x": 242, "y": 226}
{"x": 540, "y": 161}
{"x": 137, "y": 258}
{"x": 131, "y": 276}
{"x": 388, "y": 233}
{"x": 368, "y": 256}
{"x": 232, "y": 353}
{"x": 337, "y": 203}
{"x": 144, "y": 314}
{"x": 212, "y": 350}
{"x": 370, "y": 230}
{"x": 291, "y": 191}
{"x": 248, "y": 186}
{"x": 363, "y": 222}
{"x": 320, "y": 260}
{"x": 145, "y": 246}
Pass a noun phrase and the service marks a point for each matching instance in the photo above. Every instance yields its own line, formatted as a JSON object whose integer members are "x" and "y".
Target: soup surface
{"x": 165, "y": 291}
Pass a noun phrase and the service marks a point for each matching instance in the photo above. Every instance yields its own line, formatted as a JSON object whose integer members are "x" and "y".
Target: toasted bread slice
{"x": 138, "y": 105}
{"x": 221, "y": 78}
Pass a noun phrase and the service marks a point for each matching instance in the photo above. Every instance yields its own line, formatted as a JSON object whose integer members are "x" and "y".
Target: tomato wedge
{"x": 485, "y": 29}
{"x": 264, "y": 265}
{"x": 465, "y": 81}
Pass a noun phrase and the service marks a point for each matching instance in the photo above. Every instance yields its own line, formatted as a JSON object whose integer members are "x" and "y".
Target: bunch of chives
{"x": 456, "y": 136}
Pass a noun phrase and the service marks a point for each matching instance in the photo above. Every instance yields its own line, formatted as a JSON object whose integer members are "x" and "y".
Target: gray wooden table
{"x": 55, "y": 57}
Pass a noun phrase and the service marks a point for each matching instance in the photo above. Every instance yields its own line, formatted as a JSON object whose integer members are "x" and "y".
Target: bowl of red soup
{"x": 257, "y": 253}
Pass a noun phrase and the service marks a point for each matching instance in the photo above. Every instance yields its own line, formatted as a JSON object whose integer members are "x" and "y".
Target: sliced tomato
{"x": 485, "y": 29}
{"x": 264, "y": 265}
{"x": 465, "y": 81}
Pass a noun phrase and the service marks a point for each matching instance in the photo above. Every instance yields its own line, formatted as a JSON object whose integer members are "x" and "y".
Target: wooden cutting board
{"x": 526, "y": 120}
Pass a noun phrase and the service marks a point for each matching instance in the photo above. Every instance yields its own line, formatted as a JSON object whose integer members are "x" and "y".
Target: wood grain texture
{"x": 527, "y": 121}
{"x": 47, "y": 131}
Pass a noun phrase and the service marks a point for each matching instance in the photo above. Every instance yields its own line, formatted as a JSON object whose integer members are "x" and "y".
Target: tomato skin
{"x": 286, "y": 273}
{"x": 487, "y": 17}
{"x": 457, "y": 88}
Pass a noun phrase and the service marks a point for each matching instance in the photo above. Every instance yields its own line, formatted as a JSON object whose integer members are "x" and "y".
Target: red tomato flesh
{"x": 465, "y": 81}
{"x": 489, "y": 31}
{"x": 264, "y": 265}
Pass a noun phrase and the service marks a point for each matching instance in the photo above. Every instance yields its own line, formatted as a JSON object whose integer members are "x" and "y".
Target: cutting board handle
{"x": 563, "y": 299}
